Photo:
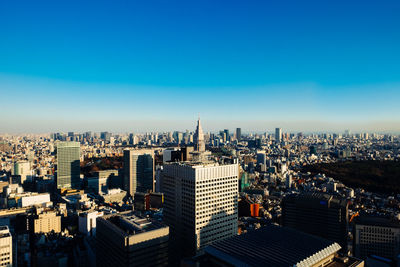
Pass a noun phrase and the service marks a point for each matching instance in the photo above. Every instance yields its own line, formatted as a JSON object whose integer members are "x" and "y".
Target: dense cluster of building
{"x": 192, "y": 199}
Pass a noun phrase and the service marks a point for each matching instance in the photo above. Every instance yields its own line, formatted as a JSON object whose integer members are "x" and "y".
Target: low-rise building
{"x": 114, "y": 195}
{"x": 46, "y": 221}
{"x": 276, "y": 246}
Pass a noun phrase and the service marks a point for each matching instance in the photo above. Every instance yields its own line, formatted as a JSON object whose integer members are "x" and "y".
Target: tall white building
{"x": 278, "y": 135}
{"x": 6, "y": 258}
{"x": 200, "y": 204}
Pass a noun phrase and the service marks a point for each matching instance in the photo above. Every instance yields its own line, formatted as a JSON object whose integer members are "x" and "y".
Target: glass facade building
{"x": 68, "y": 165}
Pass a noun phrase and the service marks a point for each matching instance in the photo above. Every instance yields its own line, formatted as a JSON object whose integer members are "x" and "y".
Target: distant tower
{"x": 199, "y": 138}
{"x": 238, "y": 134}
{"x": 278, "y": 135}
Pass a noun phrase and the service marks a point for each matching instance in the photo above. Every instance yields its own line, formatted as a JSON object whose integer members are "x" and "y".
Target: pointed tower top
{"x": 199, "y": 137}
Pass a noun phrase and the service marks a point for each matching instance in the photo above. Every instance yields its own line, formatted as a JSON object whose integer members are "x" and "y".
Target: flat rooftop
{"x": 377, "y": 221}
{"x": 131, "y": 224}
{"x": 4, "y": 231}
{"x": 316, "y": 197}
{"x": 273, "y": 246}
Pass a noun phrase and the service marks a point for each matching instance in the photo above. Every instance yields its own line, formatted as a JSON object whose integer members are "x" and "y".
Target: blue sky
{"x": 156, "y": 65}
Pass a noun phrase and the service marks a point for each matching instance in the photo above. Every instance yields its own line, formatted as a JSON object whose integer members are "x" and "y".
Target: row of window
{"x": 217, "y": 219}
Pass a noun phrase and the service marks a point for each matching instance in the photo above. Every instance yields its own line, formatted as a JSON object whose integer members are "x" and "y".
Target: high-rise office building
{"x": 88, "y": 135}
{"x": 227, "y": 136}
{"x": 6, "y": 250}
{"x": 68, "y": 165}
{"x": 138, "y": 170}
{"x": 261, "y": 158}
{"x": 319, "y": 214}
{"x": 23, "y": 170}
{"x": 238, "y": 134}
{"x": 278, "y": 135}
{"x": 376, "y": 236}
{"x": 131, "y": 139}
{"x": 200, "y": 203}
{"x": 106, "y": 136}
{"x": 125, "y": 239}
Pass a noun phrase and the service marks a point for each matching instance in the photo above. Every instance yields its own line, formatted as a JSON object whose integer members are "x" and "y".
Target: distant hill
{"x": 374, "y": 176}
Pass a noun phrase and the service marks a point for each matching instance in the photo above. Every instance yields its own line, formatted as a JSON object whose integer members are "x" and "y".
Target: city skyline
{"x": 200, "y": 133}
{"x": 128, "y": 66}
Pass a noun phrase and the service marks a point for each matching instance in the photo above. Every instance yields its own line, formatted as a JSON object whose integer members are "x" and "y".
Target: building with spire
{"x": 201, "y": 197}
{"x": 200, "y": 145}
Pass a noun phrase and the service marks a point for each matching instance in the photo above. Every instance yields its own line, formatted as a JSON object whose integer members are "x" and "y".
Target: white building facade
{"x": 200, "y": 203}
{"x": 87, "y": 222}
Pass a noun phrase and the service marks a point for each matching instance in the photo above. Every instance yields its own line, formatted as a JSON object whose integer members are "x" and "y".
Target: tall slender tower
{"x": 199, "y": 138}
{"x": 278, "y": 135}
{"x": 238, "y": 134}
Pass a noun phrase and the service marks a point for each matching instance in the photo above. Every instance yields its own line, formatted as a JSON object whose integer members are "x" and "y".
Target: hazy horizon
{"x": 213, "y": 126}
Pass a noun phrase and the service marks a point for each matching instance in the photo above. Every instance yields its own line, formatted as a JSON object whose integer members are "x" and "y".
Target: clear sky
{"x": 155, "y": 65}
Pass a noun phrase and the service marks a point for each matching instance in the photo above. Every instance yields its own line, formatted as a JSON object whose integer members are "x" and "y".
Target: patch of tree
{"x": 374, "y": 176}
{"x": 89, "y": 166}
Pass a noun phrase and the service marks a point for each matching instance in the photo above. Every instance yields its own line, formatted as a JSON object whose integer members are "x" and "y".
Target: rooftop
{"x": 273, "y": 246}
{"x": 130, "y": 224}
{"x": 321, "y": 198}
{"x": 198, "y": 164}
{"x": 377, "y": 221}
{"x": 4, "y": 231}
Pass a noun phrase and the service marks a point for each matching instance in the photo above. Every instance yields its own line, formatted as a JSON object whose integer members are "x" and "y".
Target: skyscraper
{"x": 200, "y": 203}
{"x": 105, "y": 136}
{"x": 200, "y": 145}
{"x": 238, "y": 134}
{"x": 278, "y": 135}
{"x": 138, "y": 170}
{"x": 319, "y": 214}
{"x": 226, "y": 131}
{"x": 68, "y": 165}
